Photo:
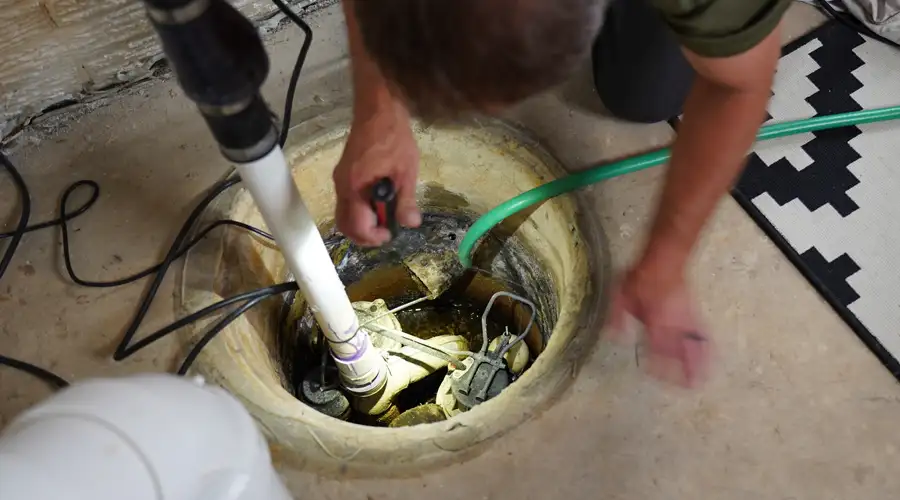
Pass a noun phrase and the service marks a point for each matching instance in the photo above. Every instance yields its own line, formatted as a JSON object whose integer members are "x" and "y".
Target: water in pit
{"x": 453, "y": 316}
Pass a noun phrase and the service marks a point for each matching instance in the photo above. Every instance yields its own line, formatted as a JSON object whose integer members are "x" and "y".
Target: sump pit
{"x": 552, "y": 255}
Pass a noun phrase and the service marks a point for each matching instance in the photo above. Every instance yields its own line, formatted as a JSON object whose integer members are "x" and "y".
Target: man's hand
{"x": 381, "y": 145}
{"x": 677, "y": 349}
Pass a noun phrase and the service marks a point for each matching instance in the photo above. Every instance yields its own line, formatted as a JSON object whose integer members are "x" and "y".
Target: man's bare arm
{"x": 370, "y": 89}
{"x": 380, "y": 145}
{"x": 721, "y": 118}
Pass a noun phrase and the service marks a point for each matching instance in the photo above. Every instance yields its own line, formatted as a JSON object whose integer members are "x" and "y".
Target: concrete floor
{"x": 796, "y": 408}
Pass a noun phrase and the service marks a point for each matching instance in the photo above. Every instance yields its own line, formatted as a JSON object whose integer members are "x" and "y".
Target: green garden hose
{"x": 603, "y": 172}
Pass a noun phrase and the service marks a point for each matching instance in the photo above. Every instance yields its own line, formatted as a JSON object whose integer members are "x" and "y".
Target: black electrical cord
{"x": 260, "y": 293}
{"x": 853, "y": 23}
{"x": 298, "y": 67}
{"x": 180, "y": 246}
{"x": 24, "y": 214}
{"x": 209, "y": 335}
{"x": 95, "y": 193}
{"x": 49, "y": 377}
{"x": 122, "y": 350}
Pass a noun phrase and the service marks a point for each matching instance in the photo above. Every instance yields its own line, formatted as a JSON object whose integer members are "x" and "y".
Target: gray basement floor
{"x": 797, "y": 407}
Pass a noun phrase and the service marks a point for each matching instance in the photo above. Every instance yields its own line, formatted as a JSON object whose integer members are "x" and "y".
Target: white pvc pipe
{"x": 272, "y": 187}
{"x": 145, "y": 437}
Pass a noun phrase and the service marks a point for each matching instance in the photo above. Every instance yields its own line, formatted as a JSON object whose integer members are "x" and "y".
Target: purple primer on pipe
{"x": 360, "y": 351}
{"x": 355, "y": 340}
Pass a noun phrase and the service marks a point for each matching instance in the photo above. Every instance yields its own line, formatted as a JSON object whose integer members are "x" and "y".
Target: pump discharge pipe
{"x": 221, "y": 64}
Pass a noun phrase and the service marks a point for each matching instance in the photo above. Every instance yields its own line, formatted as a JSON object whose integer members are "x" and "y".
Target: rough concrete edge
{"x": 53, "y": 117}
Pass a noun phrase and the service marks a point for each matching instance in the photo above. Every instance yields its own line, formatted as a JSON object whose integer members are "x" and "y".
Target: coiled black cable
{"x": 180, "y": 246}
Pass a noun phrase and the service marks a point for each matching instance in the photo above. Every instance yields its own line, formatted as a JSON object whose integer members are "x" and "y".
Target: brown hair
{"x": 448, "y": 56}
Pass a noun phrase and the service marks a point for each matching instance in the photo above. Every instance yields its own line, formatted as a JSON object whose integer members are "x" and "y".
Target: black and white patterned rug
{"x": 831, "y": 199}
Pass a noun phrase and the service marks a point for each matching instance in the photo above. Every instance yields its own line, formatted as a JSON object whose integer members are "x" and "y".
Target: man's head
{"x": 448, "y": 56}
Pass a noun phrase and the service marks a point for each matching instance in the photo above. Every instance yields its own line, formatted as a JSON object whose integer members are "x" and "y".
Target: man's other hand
{"x": 677, "y": 348}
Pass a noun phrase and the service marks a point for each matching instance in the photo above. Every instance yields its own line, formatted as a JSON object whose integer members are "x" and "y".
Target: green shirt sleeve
{"x": 721, "y": 28}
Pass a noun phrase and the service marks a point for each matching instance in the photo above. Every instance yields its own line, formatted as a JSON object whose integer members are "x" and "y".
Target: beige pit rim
{"x": 483, "y": 163}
